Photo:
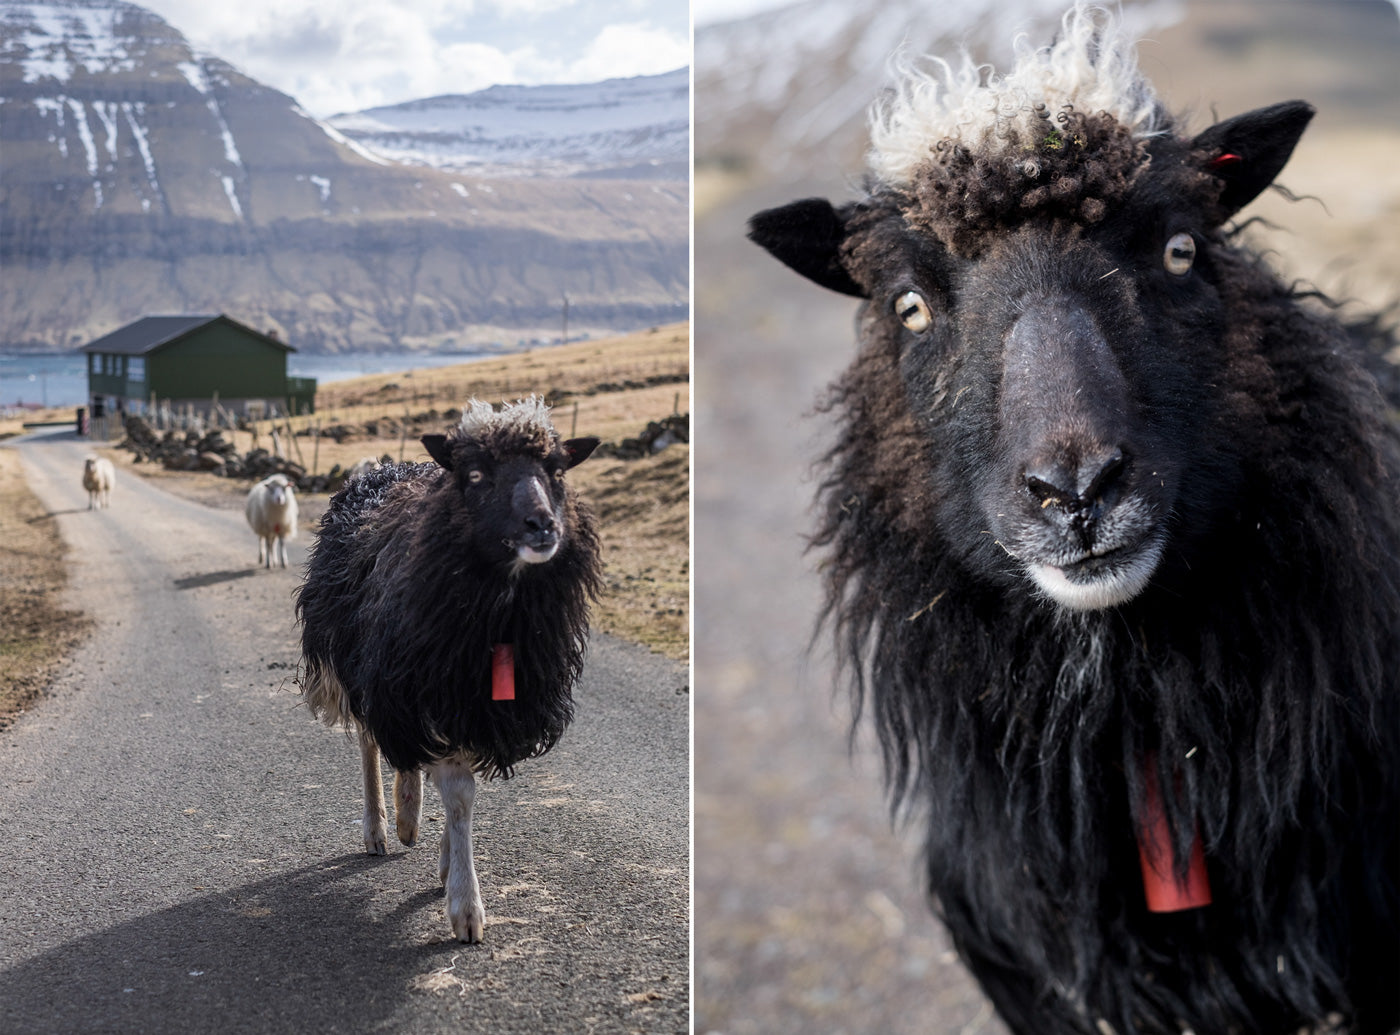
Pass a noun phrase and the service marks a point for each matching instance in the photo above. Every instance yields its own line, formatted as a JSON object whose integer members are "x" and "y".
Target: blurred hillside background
{"x": 808, "y": 913}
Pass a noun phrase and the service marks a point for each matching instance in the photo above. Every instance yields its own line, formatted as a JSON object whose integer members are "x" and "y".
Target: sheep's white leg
{"x": 376, "y": 820}
{"x": 408, "y": 805}
{"x": 262, "y": 549}
{"x": 458, "y": 788}
{"x": 444, "y": 857}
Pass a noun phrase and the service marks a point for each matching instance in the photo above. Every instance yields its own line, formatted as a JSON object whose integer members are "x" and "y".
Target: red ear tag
{"x": 1225, "y": 160}
{"x": 502, "y": 672}
{"x": 1164, "y": 893}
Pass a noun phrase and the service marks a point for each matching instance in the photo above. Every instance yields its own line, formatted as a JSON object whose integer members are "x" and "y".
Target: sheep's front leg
{"x": 376, "y": 820}
{"x": 408, "y": 805}
{"x": 262, "y": 552}
{"x": 464, "y": 910}
{"x": 282, "y": 550}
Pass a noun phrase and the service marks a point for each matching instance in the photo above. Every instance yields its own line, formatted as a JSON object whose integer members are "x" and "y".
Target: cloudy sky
{"x": 346, "y": 55}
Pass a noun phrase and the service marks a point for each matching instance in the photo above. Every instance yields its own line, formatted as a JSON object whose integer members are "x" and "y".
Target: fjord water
{"x": 60, "y": 378}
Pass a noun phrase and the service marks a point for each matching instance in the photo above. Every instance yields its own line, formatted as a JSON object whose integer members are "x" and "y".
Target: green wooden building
{"x": 189, "y": 361}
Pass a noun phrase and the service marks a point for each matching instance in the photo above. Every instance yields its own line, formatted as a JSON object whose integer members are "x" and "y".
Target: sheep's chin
{"x": 530, "y": 555}
{"x": 1111, "y": 588}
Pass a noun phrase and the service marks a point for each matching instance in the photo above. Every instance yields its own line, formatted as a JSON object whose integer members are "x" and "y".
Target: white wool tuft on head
{"x": 526, "y": 414}
{"x": 1091, "y": 67}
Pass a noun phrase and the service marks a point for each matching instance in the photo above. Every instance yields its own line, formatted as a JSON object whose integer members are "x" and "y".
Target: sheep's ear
{"x": 578, "y": 450}
{"x": 436, "y": 445}
{"x": 1249, "y": 150}
{"x": 807, "y": 236}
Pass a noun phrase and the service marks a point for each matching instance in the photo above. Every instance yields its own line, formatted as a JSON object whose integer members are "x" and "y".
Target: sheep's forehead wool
{"x": 526, "y": 420}
{"x": 1063, "y": 133}
{"x": 1090, "y": 68}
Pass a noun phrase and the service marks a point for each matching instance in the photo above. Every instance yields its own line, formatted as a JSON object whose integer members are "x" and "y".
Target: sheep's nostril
{"x": 1045, "y": 490}
{"x": 540, "y": 522}
{"x": 1110, "y": 470}
{"x": 1078, "y": 487}
{"x": 1052, "y": 485}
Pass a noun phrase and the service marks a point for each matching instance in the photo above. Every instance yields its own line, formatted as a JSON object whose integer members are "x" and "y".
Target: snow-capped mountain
{"x": 637, "y": 126}
{"x": 140, "y": 176}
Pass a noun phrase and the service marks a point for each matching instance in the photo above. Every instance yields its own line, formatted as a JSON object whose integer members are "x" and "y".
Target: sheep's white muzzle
{"x": 527, "y": 554}
{"x": 1098, "y": 582}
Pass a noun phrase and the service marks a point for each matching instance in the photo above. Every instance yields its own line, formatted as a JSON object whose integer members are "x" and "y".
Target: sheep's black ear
{"x": 1249, "y": 150}
{"x": 579, "y": 449}
{"x": 436, "y": 445}
{"x": 806, "y": 236}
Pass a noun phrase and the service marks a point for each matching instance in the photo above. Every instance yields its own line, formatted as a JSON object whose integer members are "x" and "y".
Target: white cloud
{"x": 475, "y": 66}
{"x": 527, "y": 7}
{"x": 627, "y": 50}
{"x": 346, "y": 55}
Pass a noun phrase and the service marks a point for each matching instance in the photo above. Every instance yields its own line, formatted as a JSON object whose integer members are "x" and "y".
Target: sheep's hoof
{"x": 468, "y": 921}
{"x": 376, "y": 838}
{"x": 407, "y": 831}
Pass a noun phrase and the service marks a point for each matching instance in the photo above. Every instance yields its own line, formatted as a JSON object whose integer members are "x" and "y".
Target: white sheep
{"x": 98, "y": 478}
{"x": 271, "y": 510}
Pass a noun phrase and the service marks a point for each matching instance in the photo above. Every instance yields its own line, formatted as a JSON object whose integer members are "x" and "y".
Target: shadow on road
{"x": 50, "y": 515}
{"x": 213, "y": 578}
{"x": 210, "y": 965}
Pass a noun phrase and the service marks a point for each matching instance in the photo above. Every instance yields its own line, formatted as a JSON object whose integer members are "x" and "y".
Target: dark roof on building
{"x": 155, "y": 332}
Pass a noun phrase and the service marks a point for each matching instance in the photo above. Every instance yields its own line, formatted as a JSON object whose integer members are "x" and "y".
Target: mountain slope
{"x": 639, "y": 124}
{"x": 141, "y": 177}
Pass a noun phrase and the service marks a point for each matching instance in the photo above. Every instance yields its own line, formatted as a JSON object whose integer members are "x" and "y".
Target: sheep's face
{"x": 1059, "y": 378}
{"x": 514, "y": 504}
{"x": 1060, "y": 363}
{"x": 279, "y": 490}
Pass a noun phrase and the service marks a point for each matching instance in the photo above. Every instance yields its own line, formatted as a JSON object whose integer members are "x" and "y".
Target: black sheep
{"x": 1113, "y": 555}
{"x": 426, "y": 578}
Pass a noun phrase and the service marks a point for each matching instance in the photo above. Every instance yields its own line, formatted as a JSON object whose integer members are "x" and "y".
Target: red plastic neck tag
{"x": 502, "y": 672}
{"x": 1165, "y": 894}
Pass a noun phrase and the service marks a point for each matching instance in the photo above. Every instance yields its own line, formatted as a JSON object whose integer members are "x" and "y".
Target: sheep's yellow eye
{"x": 1180, "y": 254}
{"x": 474, "y": 476}
{"x": 913, "y": 311}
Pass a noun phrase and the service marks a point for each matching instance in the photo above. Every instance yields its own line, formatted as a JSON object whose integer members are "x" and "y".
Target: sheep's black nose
{"x": 543, "y": 521}
{"x": 1079, "y": 486}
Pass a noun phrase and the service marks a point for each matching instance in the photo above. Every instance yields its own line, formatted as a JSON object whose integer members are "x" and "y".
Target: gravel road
{"x": 183, "y": 851}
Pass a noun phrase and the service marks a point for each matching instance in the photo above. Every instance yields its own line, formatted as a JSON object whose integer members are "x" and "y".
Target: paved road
{"x": 182, "y": 850}
{"x": 808, "y": 916}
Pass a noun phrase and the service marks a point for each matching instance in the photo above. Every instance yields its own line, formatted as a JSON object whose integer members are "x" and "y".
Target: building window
{"x": 92, "y": 363}
{"x": 136, "y": 368}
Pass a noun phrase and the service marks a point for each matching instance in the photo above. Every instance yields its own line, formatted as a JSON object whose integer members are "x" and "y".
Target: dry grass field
{"x": 35, "y": 630}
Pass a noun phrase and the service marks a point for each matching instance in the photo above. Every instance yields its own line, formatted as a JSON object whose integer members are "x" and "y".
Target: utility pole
{"x": 564, "y": 340}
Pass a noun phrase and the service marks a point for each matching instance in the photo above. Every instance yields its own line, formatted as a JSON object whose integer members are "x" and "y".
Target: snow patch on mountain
{"x": 52, "y": 39}
{"x": 342, "y": 139}
{"x": 562, "y": 129}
